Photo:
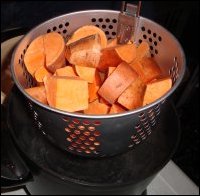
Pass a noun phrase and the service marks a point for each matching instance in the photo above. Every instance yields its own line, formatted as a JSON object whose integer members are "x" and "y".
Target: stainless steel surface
{"x": 118, "y": 132}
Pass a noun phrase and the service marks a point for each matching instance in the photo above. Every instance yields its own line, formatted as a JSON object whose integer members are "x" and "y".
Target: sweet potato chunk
{"x": 132, "y": 97}
{"x": 41, "y": 73}
{"x": 38, "y": 93}
{"x": 147, "y": 69}
{"x": 34, "y": 57}
{"x": 87, "y": 31}
{"x": 86, "y": 73}
{"x": 67, "y": 93}
{"x": 117, "y": 82}
{"x": 142, "y": 51}
{"x": 116, "y": 108}
{"x": 110, "y": 70}
{"x": 97, "y": 108}
{"x": 156, "y": 89}
{"x": 85, "y": 52}
{"x": 54, "y": 47}
{"x": 66, "y": 71}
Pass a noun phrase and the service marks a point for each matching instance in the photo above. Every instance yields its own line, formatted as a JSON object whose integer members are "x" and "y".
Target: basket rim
{"x": 106, "y": 116}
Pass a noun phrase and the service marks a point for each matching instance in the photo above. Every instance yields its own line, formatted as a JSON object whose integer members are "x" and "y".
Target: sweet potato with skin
{"x": 38, "y": 93}
{"x": 109, "y": 58}
{"x": 117, "y": 82}
{"x": 88, "y": 30}
{"x": 34, "y": 57}
{"x": 156, "y": 89}
{"x": 41, "y": 73}
{"x": 66, "y": 71}
{"x": 67, "y": 93}
{"x": 116, "y": 108}
{"x": 97, "y": 108}
{"x": 84, "y": 52}
{"x": 86, "y": 73}
{"x": 54, "y": 47}
{"x": 132, "y": 97}
{"x": 147, "y": 69}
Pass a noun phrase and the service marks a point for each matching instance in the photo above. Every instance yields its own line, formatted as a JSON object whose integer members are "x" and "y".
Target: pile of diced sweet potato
{"x": 92, "y": 75}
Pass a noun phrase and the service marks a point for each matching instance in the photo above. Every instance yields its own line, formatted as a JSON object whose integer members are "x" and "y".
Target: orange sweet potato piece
{"x": 102, "y": 100}
{"x": 117, "y": 82}
{"x": 97, "y": 108}
{"x": 38, "y": 93}
{"x": 142, "y": 51}
{"x": 94, "y": 87}
{"x": 86, "y": 73}
{"x": 156, "y": 89}
{"x": 67, "y": 93}
{"x": 132, "y": 97}
{"x": 87, "y": 31}
{"x": 34, "y": 57}
{"x": 110, "y": 70}
{"x": 147, "y": 68}
{"x": 54, "y": 47}
{"x": 41, "y": 73}
{"x": 116, "y": 108}
{"x": 126, "y": 52}
{"x": 84, "y": 52}
{"x": 66, "y": 71}
{"x": 109, "y": 58}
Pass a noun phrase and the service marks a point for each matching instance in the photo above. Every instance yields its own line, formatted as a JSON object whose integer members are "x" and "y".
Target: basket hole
{"x": 144, "y": 36}
{"x": 71, "y": 148}
{"x": 107, "y": 33}
{"x": 151, "y": 47}
{"x": 54, "y": 28}
{"x": 154, "y": 34}
{"x": 81, "y": 127}
{"x": 19, "y": 61}
{"x": 150, "y": 39}
{"x": 82, "y": 138}
{"x": 113, "y": 33}
{"x": 141, "y": 115}
{"x": 21, "y": 56}
{"x": 109, "y": 38}
{"x": 85, "y": 122}
{"x": 87, "y": 151}
{"x": 155, "y": 43}
{"x": 97, "y": 25}
{"x": 92, "y": 139}
{"x": 107, "y": 20}
{"x": 24, "y": 51}
{"x": 72, "y": 126}
{"x": 64, "y": 31}
{"x": 143, "y": 28}
{"x": 91, "y": 128}
{"x": 49, "y": 30}
{"x": 69, "y": 139}
{"x": 92, "y": 148}
{"x": 160, "y": 38}
{"x": 67, "y": 24}
{"x": 114, "y": 21}
{"x": 103, "y": 26}
{"x": 110, "y": 27}
{"x": 140, "y": 41}
{"x": 93, "y": 20}
{"x": 59, "y": 32}
{"x": 78, "y": 141}
{"x": 77, "y": 132}
{"x": 96, "y": 143}
{"x": 73, "y": 136}
{"x": 86, "y": 133}
{"x": 156, "y": 51}
{"x": 97, "y": 133}
{"x": 149, "y": 31}
{"x": 152, "y": 55}
{"x": 97, "y": 123}
{"x": 100, "y": 19}
{"x": 60, "y": 26}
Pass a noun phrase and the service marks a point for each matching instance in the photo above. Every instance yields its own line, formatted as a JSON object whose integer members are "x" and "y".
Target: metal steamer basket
{"x": 100, "y": 135}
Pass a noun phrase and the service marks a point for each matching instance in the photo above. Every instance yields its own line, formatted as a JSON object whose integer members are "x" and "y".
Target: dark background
{"x": 179, "y": 17}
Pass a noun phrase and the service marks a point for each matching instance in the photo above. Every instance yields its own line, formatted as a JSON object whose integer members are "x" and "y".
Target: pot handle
{"x": 14, "y": 171}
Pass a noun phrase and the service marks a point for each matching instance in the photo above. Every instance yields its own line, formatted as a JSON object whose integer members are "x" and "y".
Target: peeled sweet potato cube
{"x": 34, "y": 57}
{"x": 97, "y": 108}
{"x": 142, "y": 51}
{"x": 86, "y": 73}
{"x": 126, "y": 52}
{"x": 66, "y": 71}
{"x": 156, "y": 89}
{"x": 54, "y": 46}
{"x": 86, "y": 31}
{"x": 94, "y": 87}
{"x": 84, "y": 52}
{"x": 147, "y": 69}
{"x": 109, "y": 58}
{"x": 38, "y": 93}
{"x": 132, "y": 97}
{"x": 41, "y": 73}
{"x": 116, "y": 108}
{"x": 67, "y": 93}
{"x": 117, "y": 82}
{"x": 102, "y": 100}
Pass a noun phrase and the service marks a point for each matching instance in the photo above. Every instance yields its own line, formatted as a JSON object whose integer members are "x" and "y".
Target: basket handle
{"x": 127, "y": 22}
